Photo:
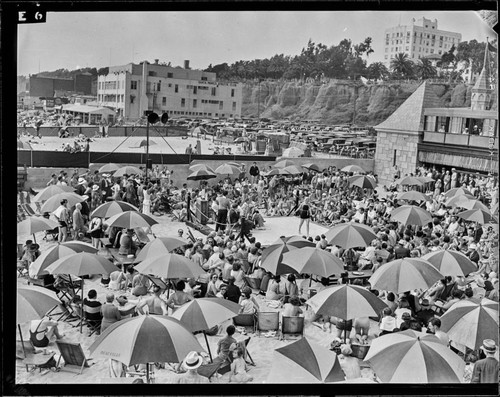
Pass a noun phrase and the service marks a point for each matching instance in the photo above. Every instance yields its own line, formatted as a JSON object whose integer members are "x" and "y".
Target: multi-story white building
{"x": 133, "y": 89}
{"x": 419, "y": 39}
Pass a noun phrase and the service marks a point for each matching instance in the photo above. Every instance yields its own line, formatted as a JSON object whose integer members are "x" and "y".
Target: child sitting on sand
{"x": 239, "y": 368}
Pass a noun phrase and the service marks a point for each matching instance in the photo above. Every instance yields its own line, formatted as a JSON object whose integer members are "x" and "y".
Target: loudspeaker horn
{"x": 153, "y": 117}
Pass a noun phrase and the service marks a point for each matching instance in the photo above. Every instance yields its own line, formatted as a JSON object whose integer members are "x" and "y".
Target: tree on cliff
{"x": 402, "y": 66}
{"x": 377, "y": 71}
{"x": 424, "y": 69}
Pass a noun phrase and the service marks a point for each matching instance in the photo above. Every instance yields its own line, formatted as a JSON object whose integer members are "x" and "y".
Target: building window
{"x": 394, "y": 158}
{"x": 221, "y": 104}
{"x": 133, "y": 85}
{"x": 159, "y": 85}
{"x": 439, "y": 52}
{"x": 195, "y": 90}
{"x": 183, "y": 102}
{"x": 234, "y": 106}
{"x": 195, "y": 103}
{"x": 203, "y": 78}
{"x": 170, "y": 75}
{"x": 132, "y": 99}
{"x": 385, "y": 57}
{"x": 176, "y": 88}
{"x": 232, "y": 92}
{"x": 432, "y": 50}
{"x": 169, "y": 85}
{"x": 214, "y": 91}
{"x": 164, "y": 101}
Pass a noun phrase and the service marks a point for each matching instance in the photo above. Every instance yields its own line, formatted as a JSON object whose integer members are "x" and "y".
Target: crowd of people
{"x": 231, "y": 255}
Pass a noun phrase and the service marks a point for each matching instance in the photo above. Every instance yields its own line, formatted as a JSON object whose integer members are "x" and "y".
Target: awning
{"x": 87, "y": 109}
{"x": 464, "y": 162}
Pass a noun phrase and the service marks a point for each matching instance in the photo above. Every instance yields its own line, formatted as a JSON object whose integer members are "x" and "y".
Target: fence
{"x": 40, "y": 158}
{"x": 112, "y": 131}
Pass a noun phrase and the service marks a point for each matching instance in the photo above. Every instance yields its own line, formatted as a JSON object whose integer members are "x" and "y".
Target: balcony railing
{"x": 459, "y": 139}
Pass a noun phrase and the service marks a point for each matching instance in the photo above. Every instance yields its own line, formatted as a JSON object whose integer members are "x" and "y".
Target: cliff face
{"x": 336, "y": 102}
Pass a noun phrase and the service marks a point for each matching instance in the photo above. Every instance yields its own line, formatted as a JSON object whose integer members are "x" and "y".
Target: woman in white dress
{"x": 146, "y": 204}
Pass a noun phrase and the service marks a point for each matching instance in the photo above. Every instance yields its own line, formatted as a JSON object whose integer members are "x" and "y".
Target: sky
{"x": 99, "y": 39}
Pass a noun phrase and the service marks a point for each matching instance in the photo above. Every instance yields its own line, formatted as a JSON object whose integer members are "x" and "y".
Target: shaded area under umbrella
{"x": 306, "y": 362}
{"x": 34, "y": 224}
{"x": 414, "y": 357}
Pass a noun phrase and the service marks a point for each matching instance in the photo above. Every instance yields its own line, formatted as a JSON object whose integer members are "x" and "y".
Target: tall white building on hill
{"x": 419, "y": 39}
{"x": 133, "y": 89}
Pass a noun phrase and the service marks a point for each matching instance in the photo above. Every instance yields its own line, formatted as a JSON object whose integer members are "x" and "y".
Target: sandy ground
{"x": 261, "y": 348}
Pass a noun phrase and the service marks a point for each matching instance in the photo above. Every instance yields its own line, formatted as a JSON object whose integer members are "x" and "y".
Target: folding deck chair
{"x": 74, "y": 357}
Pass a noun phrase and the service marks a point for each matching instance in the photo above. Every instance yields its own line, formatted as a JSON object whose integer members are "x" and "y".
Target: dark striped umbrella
{"x": 131, "y": 220}
{"x": 201, "y": 175}
{"x": 350, "y": 235}
{"x": 413, "y": 195}
{"x": 49, "y": 256}
{"x": 409, "y": 181}
{"x": 414, "y": 357}
{"x": 346, "y": 302}
{"x": 312, "y": 260}
{"x": 450, "y": 263}
{"x": 111, "y": 208}
{"x": 311, "y": 167}
{"x": 404, "y": 275}
{"x": 411, "y": 215}
{"x": 469, "y": 322}
{"x": 284, "y": 163}
{"x": 457, "y": 191}
{"x": 478, "y": 215}
{"x": 362, "y": 181}
{"x": 305, "y": 362}
{"x": 272, "y": 256}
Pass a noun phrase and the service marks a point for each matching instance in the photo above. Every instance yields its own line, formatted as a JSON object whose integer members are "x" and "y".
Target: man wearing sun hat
{"x": 486, "y": 370}
{"x": 191, "y": 363}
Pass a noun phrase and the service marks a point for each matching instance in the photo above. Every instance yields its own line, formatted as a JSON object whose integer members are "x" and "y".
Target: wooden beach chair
{"x": 267, "y": 321}
{"x": 245, "y": 320}
{"x": 73, "y": 355}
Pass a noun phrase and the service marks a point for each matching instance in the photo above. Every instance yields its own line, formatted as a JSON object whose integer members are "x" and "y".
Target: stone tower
{"x": 481, "y": 93}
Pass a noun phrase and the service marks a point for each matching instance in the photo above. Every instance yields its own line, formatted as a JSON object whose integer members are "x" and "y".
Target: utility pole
{"x": 258, "y": 102}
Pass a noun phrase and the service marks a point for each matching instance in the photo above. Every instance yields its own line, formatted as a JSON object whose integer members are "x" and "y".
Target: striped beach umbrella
{"x": 107, "y": 210}
{"x": 414, "y": 357}
{"x": 459, "y": 200}
{"x": 346, "y": 302}
{"x": 50, "y": 191}
{"x": 411, "y": 215}
{"x": 127, "y": 170}
{"x": 169, "y": 266}
{"x": 409, "y": 181}
{"x": 362, "y": 181}
{"x": 145, "y": 339}
{"x": 160, "y": 246}
{"x": 353, "y": 168}
{"x": 201, "y": 175}
{"x": 413, "y": 195}
{"x": 34, "y": 302}
{"x": 294, "y": 169}
{"x": 477, "y": 215}
{"x": 311, "y": 167}
{"x": 204, "y": 313}
{"x": 450, "y": 263}
{"x": 404, "y": 275}
{"x": 457, "y": 191}
{"x": 292, "y": 152}
{"x": 35, "y": 224}
{"x": 272, "y": 256}
{"x": 284, "y": 163}
{"x": 48, "y": 257}
{"x": 227, "y": 169}
{"x": 109, "y": 168}
{"x": 305, "y": 362}
{"x": 312, "y": 260}
{"x": 196, "y": 167}
{"x": 476, "y": 205}
{"x": 469, "y": 322}
{"x": 54, "y": 202}
{"x": 130, "y": 220}
{"x": 350, "y": 235}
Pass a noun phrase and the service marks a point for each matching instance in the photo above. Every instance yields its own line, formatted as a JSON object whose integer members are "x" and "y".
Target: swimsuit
{"x": 37, "y": 342}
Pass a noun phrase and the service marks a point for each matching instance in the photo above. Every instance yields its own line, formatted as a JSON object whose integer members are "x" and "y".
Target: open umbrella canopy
{"x": 128, "y": 170}
{"x": 109, "y": 168}
{"x": 425, "y": 179}
{"x": 34, "y": 302}
{"x": 55, "y": 201}
{"x": 196, "y": 167}
{"x": 311, "y": 167}
{"x": 35, "y": 224}
{"x": 304, "y": 361}
{"x": 48, "y": 257}
{"x": 353, "y": 168}
{"x": 160, "y": 246}
{"x": 23, "y": 145}
{"x": 204, "y": 313}
{"x": 457, "y": 191}
{"x": 275, "y": 171}
{"x": 404, "y": 275}
{"x": 413, "y": 195}
{"x": 450, "y": 263}
{"x": 469, "y": 322}
{"x": 50, "y": 191}
{"x": 272, "y": 256}
{"x": 284, "y": 163}
{"x": 476, "y": 205}
{"x": 145, "y": 339}
{"x": 80, "y": 246}
{"x": 414, "y": 357}
{"x": 312, "y": 260}
{"x": 130, "y": 220}
{"x": 459, "y": 200}
{"x": 409, "y": 181}
{"x": 362, "y": 181}
{"x": 169, "y": 266}
{"x": 292, "y": 152}
{"x": 81, "y": 264}
{"x": 201, "y": 175}
{"x": 346, "y": 302}
{"x": 241, "y": 139}
{"x": 293, "y": 169}
{"x": 411, "y": 215}
{"x": 112, "y": 208}
{"x": 477, "y": 215}
{"x": 227, "y": 169}
{"x": 350, "y": 235}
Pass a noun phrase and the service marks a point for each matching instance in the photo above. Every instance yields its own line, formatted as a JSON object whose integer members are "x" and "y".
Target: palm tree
{"x": 402, "y": 65}
{"x": 377, "y": 70}
{"x": 425, "y": 69}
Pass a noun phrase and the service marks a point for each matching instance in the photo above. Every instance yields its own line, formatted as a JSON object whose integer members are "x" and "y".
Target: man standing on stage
{"x": 254, "y": 172}
{"x": 224, "y": 206}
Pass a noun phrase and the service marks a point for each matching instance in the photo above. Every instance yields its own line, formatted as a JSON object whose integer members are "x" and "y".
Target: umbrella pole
{"x": 147, "y": 373}
{"x": 81, "y": 308}
{"x": 208, "y": 346}
{"x": 34, "y": 238}
{"x": 22, "y": 341}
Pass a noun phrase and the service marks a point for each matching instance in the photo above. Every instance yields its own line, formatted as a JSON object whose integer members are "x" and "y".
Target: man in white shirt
{"x": 365, "y": 260}
{"x": 434, "y": 327}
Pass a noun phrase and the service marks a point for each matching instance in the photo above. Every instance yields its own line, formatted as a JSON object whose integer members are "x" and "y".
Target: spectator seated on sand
{"x": 43, "y": 332}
